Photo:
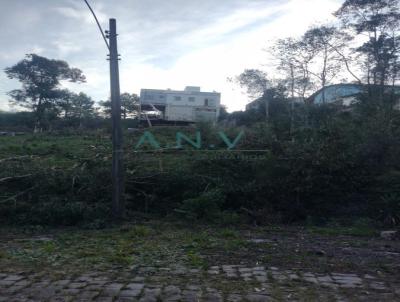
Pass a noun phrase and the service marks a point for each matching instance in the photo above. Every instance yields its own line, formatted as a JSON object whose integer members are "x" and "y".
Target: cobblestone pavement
{"x": 218, "y": 283}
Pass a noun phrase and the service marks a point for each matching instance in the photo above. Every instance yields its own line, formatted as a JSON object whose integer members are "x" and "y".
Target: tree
{"x": 64, "y": 102}
{"x": 223, "y": 113}
{"x": 81, "y": 107}
{"x": 256, "y": 83}
{"x": 327, "y": 44}
{"x": 293, "y": 60}
{"x": 129, "y": 105}
{"x": 40, "y": 78}
{"x": 379, "y": 22}
{"x": 294, "y": 57}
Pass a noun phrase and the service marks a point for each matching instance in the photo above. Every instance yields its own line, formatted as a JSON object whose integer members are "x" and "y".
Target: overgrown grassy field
{"x": 315, "y": 177}
{"x": 297, "y": 205}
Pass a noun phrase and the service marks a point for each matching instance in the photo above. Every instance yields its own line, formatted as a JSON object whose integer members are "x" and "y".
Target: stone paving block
{"x": 150, "y": 295}
{"x": 71, "y": 291}
{"x": 14, "y": 278}
{"x": 148, "y": 269}
{"x": 61, "y": 299}
{"x": 259, "y": 268}
{"x": 104, "y": 299}
{"x": 330, "y": 285}
{"x": 134, "y": 286}
{"x": 171, "y": 290}
{"x": 348, "y": 285}
{"x": 326, "y": 278}
{"x": 171, "y": 293}
{"x": 278, "y": 276}
{"x": 15, "y": 288}
{"x": 212, "y": 297}
{"x": 43, "y": 283}
{"x": 380, "y": 286}
{"x": 130, "y": 293}
{"x": 348, "y": 281}
{"x": 234, "y": 298}
{"x": 94, "y": 287}
{"x": 190, "y": 296}
{"x": 229, "y": 267}
{"x": 309, "y": 277}
{"x": 192, "y": 287}
{"x": 260, "y": 273}
{"x": 367, "y": 276}
{"x": 161, "y": 286}
{"x": 112, "y": 289}
{"x": 89, "y": 295}
{"x": 339, "y": 275}
{"x": 61, "y": 283}
{"x": 99, "y": 278}
{"x": 257, "y": 298}
{"x": 98, "y": 282}
{"x": 126, "y": 299}
{"x": 261, "y": 278}
{"x": 77, "y": 285}
{"x": 294, "y": 277}
{"x": 178, "y": 269}
{"x": 231, "y": 274}
{"x": 6, "y": 283}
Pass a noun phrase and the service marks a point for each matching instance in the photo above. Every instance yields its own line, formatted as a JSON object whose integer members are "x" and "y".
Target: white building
{"x": 190, "y": 105}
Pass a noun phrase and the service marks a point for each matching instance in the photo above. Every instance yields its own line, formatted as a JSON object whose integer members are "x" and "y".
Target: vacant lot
{"x": 189, "y": 234}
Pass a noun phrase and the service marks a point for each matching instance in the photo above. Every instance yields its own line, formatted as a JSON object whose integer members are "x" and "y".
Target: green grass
{"x": 362, "y": 231}
{"x": 139, "y": 244}
{"x": 165, "y": 244}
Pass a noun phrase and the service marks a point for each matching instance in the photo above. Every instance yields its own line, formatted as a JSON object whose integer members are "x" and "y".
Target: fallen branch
{"x": 14, "y": 198}
{"x": 14, "y": 177}
{"x": 14, "y": 158}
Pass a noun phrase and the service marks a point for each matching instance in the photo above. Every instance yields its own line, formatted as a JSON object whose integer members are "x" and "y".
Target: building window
{"x": 192, "y": 99}
{"x": 206, "y": 102}
{"x": 161, "y": 96}
{"x": 178, "y": 98}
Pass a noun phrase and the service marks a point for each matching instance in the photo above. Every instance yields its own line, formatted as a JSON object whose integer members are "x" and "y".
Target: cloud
{"x": 162, "y": 43}
{"x": 77, "y": 10}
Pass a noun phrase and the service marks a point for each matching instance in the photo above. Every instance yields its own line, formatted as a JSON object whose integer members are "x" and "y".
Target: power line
{"x": 98, "y": 24}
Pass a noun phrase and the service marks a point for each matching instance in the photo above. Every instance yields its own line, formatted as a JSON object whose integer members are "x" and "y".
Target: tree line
{"x": 42, "y": 94}
{"x": 362, "y": 46}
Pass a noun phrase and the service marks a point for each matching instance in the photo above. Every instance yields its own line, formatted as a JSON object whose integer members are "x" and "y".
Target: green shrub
{"x": 207, "y": 206}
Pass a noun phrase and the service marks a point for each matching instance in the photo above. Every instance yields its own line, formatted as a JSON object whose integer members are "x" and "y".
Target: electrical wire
{"x": 98, "y": 24}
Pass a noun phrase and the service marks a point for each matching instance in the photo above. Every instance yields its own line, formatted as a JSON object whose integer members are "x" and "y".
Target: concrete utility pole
{"x": 118, "y": 169}
{"x": 118, "y": 177}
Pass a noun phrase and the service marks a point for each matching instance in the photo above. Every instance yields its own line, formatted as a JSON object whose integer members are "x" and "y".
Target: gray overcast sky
{"x": 163, "y": 44}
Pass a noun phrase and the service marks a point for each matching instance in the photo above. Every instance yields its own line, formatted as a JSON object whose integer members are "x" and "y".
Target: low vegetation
{"x": 335, "y": 165}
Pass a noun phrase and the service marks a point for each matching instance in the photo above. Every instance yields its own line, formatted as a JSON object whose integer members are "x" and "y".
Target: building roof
{"x": 334, "y": 92}
{"x": 188, "y": 90}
